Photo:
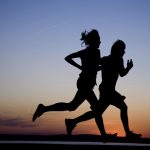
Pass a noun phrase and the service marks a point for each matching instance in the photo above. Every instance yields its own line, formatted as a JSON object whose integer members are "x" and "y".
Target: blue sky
{"x": 36, "y": 35}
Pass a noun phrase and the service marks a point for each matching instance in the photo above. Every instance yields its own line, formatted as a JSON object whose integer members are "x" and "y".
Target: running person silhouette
{"x": 90, "y": 57}
{"x": 112, "y": 67}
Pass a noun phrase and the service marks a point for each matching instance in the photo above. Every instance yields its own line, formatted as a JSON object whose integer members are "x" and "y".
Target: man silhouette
{"x": 112, "y": 67}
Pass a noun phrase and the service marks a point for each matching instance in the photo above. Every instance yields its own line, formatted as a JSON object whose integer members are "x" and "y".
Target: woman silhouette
{"x": 90, "y": 59}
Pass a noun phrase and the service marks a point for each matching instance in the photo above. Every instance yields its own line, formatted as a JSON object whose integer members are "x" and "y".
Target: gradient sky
{"x": 36, "y": 35}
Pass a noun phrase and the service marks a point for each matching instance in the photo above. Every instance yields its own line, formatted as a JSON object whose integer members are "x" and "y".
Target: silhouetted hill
{"x": 81, "y": 137}
{"x": 74, "y": 142}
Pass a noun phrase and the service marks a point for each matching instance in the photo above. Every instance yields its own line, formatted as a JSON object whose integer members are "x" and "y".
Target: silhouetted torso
{"x": 111, "y": 68}
{"x": 90, "y": 61}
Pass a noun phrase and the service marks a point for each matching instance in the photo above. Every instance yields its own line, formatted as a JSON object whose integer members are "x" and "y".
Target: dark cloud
{"x": 15, "y": 122}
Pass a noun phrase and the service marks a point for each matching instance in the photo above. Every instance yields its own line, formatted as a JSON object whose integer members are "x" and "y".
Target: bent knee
{"x": 71, "y": 107}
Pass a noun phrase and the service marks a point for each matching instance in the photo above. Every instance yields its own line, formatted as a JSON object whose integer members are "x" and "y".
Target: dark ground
{"x": 75, "y": 142}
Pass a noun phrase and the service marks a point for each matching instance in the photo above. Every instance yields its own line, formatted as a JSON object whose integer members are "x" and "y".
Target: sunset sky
{"x": 36, "y": 35}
